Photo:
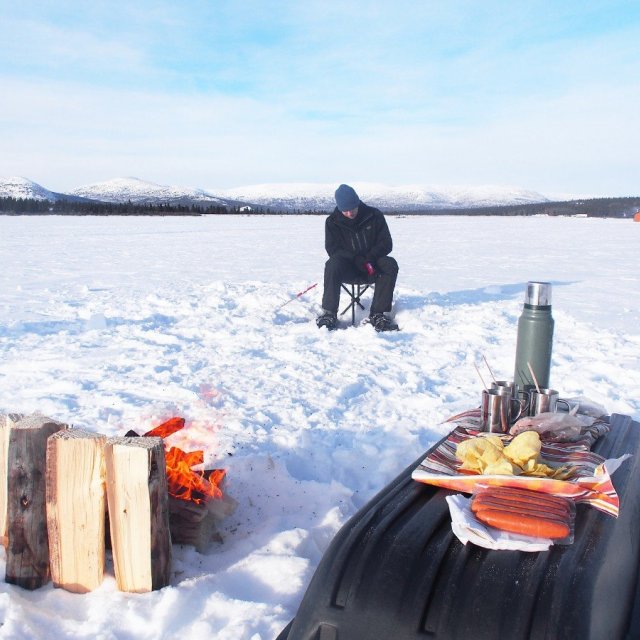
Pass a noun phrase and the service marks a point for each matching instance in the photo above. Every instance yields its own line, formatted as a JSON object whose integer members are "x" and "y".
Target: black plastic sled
{"x": 396, "y": 571}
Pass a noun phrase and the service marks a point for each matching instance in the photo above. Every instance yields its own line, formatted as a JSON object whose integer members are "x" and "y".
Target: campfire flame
{"x": 185, "y": 483}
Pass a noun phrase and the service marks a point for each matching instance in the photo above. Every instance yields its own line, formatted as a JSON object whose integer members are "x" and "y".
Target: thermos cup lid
{"x": 538, "y": 294}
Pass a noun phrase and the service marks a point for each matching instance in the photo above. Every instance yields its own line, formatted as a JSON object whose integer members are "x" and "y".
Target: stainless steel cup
{"x": 545, "y": 401}
{"x": 496, "y": 384}
{"x": 521, "y": 397}
{"x": 496, "y": 410}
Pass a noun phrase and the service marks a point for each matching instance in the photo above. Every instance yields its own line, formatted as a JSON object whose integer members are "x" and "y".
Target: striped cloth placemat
{"x": 590, "y": 482}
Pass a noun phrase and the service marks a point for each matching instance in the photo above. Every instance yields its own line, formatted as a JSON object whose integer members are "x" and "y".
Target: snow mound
{"x": 142, "y": 192}
{"x": 18, "y": 187}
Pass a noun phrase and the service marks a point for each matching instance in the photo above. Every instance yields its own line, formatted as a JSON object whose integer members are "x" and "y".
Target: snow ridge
{"x": 143, "y": 192}
{"x": 23, "y": 188}
{"x": 288, "y": 197}
{"x": 292, "y": 196}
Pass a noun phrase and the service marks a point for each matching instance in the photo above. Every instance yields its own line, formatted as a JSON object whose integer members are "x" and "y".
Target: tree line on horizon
{"x": 33, "y": 206}
{"x": 594, "y": 207}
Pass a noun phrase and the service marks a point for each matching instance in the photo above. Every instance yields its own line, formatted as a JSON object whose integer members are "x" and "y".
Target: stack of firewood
{"x": 58, "y": 488}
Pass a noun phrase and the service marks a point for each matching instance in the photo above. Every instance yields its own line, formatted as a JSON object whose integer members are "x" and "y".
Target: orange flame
{"x": 166, "y": 429}
{"x": 185, "y": 483}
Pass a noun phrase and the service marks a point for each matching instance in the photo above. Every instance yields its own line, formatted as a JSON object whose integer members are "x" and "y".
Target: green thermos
{"x": 535, "y": 337}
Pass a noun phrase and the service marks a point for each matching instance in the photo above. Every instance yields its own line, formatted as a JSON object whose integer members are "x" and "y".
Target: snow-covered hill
{"x": 143, "y": 192}
{"x": 17, "y": 187}
{"x": 313, "y": 196}
{"x": 280, "y": 197}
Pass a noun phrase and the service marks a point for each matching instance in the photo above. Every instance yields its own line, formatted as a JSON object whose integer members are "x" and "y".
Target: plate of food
{"x": 469, "y": 458}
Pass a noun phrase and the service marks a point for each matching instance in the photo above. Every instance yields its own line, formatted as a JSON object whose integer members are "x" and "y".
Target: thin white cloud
{"x": 205, "y": 94}
{"x": 580, "y": 142}
{"x": 52, "y": 48}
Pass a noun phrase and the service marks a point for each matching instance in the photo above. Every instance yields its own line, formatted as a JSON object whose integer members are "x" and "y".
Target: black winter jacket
{"x": 366, "y": 236}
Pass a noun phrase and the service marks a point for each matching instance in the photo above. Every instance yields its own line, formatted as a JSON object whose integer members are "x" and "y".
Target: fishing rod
{"x": 315, "y": 284}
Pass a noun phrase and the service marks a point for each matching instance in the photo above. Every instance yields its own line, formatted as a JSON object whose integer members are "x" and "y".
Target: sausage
{"x": 480, "y": 502}
{"x": 525, "y": 524}
{"x": 523, "y": 511}
{"x": 562, "y": 508}
{"x": 530, "y": 493}
{"x": 525, "y": 496}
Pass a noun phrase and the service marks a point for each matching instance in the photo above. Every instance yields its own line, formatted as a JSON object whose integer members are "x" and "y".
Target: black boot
{"x": 380, "y": 322}
{"x": 328, "y": 319}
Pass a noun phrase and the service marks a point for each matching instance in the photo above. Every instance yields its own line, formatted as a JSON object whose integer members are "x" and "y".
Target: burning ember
{"x": 185, "y": 483}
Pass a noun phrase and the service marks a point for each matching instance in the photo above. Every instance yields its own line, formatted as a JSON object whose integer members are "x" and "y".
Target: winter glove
{"x": 364, "y": 265}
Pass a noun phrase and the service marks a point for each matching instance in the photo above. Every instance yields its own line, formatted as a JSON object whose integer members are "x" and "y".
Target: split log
{"x": 76, "y": 509}
{"x": 28, "y": 548}
{"x": 198, "y": 524}
{"x": 6, "y": 424}
{"x": 138, "y": 513}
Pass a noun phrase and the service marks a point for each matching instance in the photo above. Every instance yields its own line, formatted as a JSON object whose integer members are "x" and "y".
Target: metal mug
{"x": 505, "y": 386}
{"x": 545, "y": 401}
{"x": 497, "y": 409}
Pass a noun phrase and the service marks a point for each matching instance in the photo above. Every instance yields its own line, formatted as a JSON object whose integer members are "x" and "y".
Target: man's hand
{"x": 364, "y": 265}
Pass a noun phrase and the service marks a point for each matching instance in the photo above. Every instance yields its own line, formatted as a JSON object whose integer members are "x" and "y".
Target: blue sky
{"x": 537, "y": 94}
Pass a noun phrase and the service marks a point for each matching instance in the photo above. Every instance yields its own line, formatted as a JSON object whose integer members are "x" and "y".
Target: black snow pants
{"x": 338, "y": 270}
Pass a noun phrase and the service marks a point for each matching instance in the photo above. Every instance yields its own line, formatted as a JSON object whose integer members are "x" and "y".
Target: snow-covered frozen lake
{"x": 119, "y": 323}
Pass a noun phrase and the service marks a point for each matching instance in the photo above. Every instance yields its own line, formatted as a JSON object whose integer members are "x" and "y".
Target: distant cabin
{"x": 245, "y": 208}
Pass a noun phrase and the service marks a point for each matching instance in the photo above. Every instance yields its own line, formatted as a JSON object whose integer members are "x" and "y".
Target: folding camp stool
{"x": 355, "y": 291}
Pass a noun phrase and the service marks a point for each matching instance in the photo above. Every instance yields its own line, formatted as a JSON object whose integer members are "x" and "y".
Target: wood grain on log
{"x": 76, "y": 509}
{"x": 138, "y": 513}
{"x": 28, "y": 548}
{"x": 6, "y": 424}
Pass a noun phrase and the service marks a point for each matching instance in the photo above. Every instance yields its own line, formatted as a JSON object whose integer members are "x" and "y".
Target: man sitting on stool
{"x": 358, "y": 242}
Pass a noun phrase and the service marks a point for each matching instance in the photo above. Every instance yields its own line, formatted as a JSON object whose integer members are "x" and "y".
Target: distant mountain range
{"x": 142, "y": 192}
{"x": 319, "y": 197}
{"x": 278, "y": 197}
